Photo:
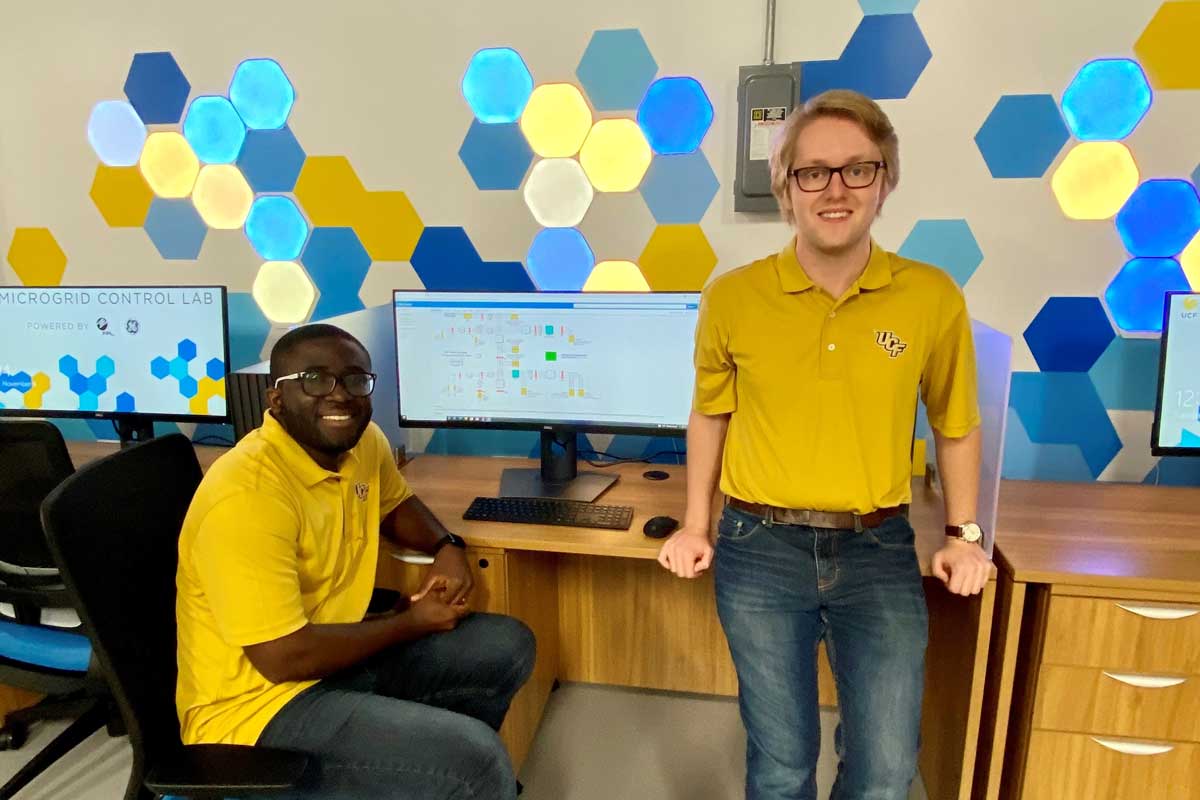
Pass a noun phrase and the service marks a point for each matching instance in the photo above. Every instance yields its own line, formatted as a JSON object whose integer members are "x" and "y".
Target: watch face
{"x": 971, "y": 532}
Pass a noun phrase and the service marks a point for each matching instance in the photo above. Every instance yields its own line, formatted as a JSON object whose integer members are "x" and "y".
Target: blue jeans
{"x": 783, "y": 588}
{"x": 416, "y": 721}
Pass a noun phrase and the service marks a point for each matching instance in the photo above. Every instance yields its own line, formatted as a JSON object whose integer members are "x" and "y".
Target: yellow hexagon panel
{"x": 222, "y": 196}
{"x": 388, "y": 226}
{"x": 1095, "y": 180}
{"x": 1189, "y": 259}
{"x": 121, "y": 195}
{"x": 169, "y": 165}
{"x": 206, "y": 389}
{"x": 678, "y": 258}
{"x": 41, "y": 385}
{"x": 329, "y": 191}
{"x": 36, "y": 257}
{"x": 556, "y": 120}
{"x": 284, "y": 292}
{"x": 615, "y": 155}
{"x": 616, "y": 276}
{"x": 1167, "y": 48}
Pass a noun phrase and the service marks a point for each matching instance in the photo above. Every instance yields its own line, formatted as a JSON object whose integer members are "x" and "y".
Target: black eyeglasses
{"x": 858, "y": 175}
{"x": 316, "y": 383}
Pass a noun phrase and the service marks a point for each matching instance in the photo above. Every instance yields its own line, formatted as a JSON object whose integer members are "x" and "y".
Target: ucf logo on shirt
{"x": 890, "y": 342}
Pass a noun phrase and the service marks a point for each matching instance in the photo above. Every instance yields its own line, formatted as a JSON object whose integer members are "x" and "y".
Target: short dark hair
{"x": 298, "y": 336}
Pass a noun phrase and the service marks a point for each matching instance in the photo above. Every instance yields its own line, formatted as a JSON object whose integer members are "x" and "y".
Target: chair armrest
{"x": 201, "y": 771}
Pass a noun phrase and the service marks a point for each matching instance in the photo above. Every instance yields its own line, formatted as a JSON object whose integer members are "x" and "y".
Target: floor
{"x": 595, "y": 742}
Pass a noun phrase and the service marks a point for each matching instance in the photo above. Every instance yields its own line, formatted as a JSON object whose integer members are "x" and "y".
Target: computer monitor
{"x": 130, "y": 354}
{"x": 556, "y": 362}
{"x": 1176, "y": 430}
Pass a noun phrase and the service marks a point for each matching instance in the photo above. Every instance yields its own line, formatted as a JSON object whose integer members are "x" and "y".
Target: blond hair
{"x": 842, "y": 104}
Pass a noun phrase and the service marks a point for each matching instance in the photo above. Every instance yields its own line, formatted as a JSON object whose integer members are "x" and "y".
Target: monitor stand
{"x": 132, "y": 431}
{"x": 558, "y": 475}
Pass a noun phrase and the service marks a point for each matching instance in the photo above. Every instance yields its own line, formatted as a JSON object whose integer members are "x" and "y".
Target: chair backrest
{"x": 33, "y": 460}
{"x": 113, "y": 528}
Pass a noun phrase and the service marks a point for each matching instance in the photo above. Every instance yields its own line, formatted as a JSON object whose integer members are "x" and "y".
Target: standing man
{"x": 808, "y": 366}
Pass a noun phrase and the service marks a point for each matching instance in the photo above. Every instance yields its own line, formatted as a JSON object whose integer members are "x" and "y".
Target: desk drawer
{"x": 1075, "y": 766}
{"x": 1123, "y": 635}
{"x": 1139, "y": 705}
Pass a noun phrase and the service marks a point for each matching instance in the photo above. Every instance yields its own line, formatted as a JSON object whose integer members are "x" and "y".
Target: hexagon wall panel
{"x": 679, "y": 189}
{"x": 675, "y": 115}
{"x": 616, "y": 276}
{"x": 496, "y": 156}
{"x": 214, "y": 130}
{"x": 884, "y": 58}
{"x": 1160, "y": 218}
{"x": 35, "y": 256}
{"x": 1022, "y": 136}
{"x": 121, "y": 195}
{"x": 678, "y": 258}
{"x": 945, "y": 243}
{"x": 1025, "y": 459}
{"x": 1064, "y": 408}
{"x": 560, "y": 260}
{"x": 1106, "y": 100}
{"x": 446, "y": 260}
{"x": 388, "y": 226}
{"x": 1135, "y": 295}
{"x": 888, "y": 6}
{"x": 283, "y": 292}
{"x": 1094, "y": 180}
{"x": 329, "y": 190}
{"x": 169, "y": 165}
{"x": 116, "y": 133}
{"x": 222, "y": 196}
{"x": 615, "y": 155}
{"x": 262, "y": 94}
{"x": 176, "y": 229}
{"x": 497, "y": 85}
{"x": 337, "y": 263}
{"x": 156, "y": 88}
{"x": 1126, "y": 374}
{"x": 558, "y": 193}
{"x": 1167, "y": 47}
{"x": 615, "y": 69}
{"x": 276, "y": 229}
{"x": 556, "y": 120}
{"x": 1069, "y": 334}
{"x": 271, "y": 160}
{"x": 248, "y": 331}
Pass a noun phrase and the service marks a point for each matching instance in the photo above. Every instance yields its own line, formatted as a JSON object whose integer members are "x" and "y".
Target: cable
{"x": 217, "y": 440}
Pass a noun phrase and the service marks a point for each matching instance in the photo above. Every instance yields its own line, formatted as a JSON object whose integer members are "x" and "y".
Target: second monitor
{"x": 559, "y": 363}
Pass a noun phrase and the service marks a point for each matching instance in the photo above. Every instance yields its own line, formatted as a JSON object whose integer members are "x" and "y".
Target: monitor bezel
{"x": 1155, "y": 449}
{"x": 580, "y": 426}
{"x": 116, "y": 416}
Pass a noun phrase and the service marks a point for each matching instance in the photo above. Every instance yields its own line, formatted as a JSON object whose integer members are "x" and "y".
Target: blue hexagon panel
{"x": 945, "y": 243}
{"x": 89, "y": 387}
{"x": 271, "y": 160}
{"x": 175, "y": 228}
{"x": 215, "y": 369}
{"x": 1126, "y": 374}
{"x": 887, "y": 6}
{"x": 248, "y": 331}
{"x": 560, "y": 260}
{"x": 276, "y": 229}
{"x": 1022, "y": 136}
{"x": 1064, "y": 408}
{"x": 1160, "y": 218}
{"x": 675, "y": 115}
{"x": 160, "y": 367}
{"x": 214, "y": 130}
{"x": 1135, "y": 296}
{"x": 1025, "y": 459}
{"x": 496, "y": 156}
{"x": 446, "y": 260}
{"x": 1106, "y": 100}
{"x": 126, "y": 403}
{"x": 615, "y": 69}
{"x": 157, "y": 88}
{"x": 338, "y": 264}
{"x": 262, "y": 94}
{"x": 884, "y": 58}
{"x": 1069, "y": 334}
{"x": 1175, "y": 472}
{"x": 679, "y": 189}
{"x": 497, "y": 85}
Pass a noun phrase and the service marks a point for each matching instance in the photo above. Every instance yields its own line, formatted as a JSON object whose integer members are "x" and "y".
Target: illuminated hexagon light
{"x": 1106, "y": 100}
{"x": 616, "y": 68}
{"x": 283, "y": 292}
{"x": 1167, "y": 47}
{"x": 1160, "y": 218}
{"x": 35, "y": 256}
{"x": 262, "y": 94}
{"x": 675, "y": 115}
{"x": 558, "y": 193}
{"x": 560, "y": 260}
{"x": 1135, "y": 296}
{"x": 214, "y": 130}
{"x": 497, "y": 85}
{"x": 116, "y": 133}
{"x": 1094, "y": 180}
{"x": 222, "y": 196}
{"x": 169, "y": 165}
{"x": 121, "y": 195}
{"x": 276, "y": 229}
{"x": 616, "y": 276}
{"x": 615, "y": 155}
{"x": 556, "y": 120}
{"x": 156, "y": 88}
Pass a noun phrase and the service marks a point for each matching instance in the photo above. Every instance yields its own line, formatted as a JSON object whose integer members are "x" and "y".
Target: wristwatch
{"x": 449, "y": 539}
{"x": 968, "y": 532}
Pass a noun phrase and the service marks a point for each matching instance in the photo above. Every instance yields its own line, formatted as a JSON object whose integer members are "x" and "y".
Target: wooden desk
{"x": 1069, "y": 554}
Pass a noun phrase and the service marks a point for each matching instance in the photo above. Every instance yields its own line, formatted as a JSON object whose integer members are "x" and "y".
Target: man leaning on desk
{"x": 808, "y": 366}
{"x": 277, "y": 563}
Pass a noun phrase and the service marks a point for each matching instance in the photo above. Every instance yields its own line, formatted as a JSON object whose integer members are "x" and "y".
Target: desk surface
{"x": 1100, "y": 534}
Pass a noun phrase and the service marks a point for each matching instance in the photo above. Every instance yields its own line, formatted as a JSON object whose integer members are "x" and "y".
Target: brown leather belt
{"x": 838, "y": 520}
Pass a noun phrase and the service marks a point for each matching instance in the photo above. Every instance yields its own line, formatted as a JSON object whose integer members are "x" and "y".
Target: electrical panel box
{"x": 766, "y": 96}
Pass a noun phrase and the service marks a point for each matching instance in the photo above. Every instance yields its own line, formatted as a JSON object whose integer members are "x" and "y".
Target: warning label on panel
{"x": 764, "y": 124}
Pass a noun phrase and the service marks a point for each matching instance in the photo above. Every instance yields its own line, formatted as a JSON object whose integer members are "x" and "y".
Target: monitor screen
{"x": 594, "y": 361}
{"x": 1177, "y": 415}
{"x": 110, "y": 351}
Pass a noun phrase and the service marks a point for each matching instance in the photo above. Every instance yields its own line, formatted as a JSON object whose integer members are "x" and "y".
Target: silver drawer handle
{"x": 1160, "y": 612}
{"x": 1134, "y": 748}
{"x": 1145, "y": 681}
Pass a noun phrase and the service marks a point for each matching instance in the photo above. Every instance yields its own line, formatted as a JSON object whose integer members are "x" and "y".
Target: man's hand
{"x": 687, "y": 553}
{"x": 434, "y": 611}
{"x": 450, "y": 566}
{"x": 962, "y": 566}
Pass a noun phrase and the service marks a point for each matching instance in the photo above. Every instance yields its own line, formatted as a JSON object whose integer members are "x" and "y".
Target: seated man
{"x": 277, "y": 565}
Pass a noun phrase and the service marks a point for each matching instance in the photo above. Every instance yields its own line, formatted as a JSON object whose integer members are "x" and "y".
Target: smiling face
{"x": 836, "y": 220}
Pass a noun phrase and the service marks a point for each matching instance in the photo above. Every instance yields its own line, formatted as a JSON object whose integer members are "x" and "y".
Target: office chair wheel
{"x": 12, "y": 736}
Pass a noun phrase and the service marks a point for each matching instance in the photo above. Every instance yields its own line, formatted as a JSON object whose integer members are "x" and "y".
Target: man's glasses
{"x": 316, "y": 383}
{"x": 859, "y": 175}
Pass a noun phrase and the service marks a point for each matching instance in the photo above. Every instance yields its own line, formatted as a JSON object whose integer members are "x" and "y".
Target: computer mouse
{"x": 660, "y": 527}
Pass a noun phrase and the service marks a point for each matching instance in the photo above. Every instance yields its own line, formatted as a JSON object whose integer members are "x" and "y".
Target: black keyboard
{"x": 549, "y": 511}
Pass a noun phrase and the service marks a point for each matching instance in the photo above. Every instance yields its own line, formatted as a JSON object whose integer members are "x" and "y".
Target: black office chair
{"x": 113, "y": 528}
{"x": 42, "y": 648}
